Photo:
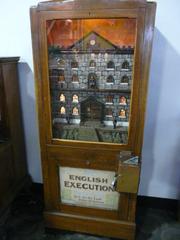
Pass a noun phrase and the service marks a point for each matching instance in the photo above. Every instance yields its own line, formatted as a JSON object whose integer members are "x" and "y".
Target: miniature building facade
{"x": 92, "y": 74}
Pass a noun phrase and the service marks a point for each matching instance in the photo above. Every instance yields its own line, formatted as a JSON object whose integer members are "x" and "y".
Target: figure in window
{"x": 125, "y": 80}
{"x": 75, "y": 78}
{"x": 122, "y": 100}
{"x": 75, "y": 111}
{"x": 92, "y": 78}
{"x": 110, "y": 65}
{"x": 62, "y": 98}
{"x": 75, "y": 98}
{"x": 62, "y": 110}
{"x": 110, "y": 79}
{"x": 125, "y": 65}
{"x": 61, "y": 76}
{"x": 122, "y": 113}
{"x": 92, "y": 64}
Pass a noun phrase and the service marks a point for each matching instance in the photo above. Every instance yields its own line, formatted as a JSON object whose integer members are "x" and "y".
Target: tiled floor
{"x": 25, "y": 222}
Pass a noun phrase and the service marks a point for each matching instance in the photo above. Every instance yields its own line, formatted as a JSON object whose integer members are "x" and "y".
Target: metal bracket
{"x": 114, "y": 182}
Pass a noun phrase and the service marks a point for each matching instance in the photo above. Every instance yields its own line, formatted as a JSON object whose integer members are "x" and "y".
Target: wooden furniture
{"x": 91, "y": 61}
{"x": 13, "y": 171}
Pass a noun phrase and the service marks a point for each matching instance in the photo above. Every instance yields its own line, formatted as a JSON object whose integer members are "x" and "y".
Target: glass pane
{"x": 91, "y": 75}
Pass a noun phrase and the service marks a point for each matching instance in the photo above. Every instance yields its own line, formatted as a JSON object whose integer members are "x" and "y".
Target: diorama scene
{"x": 91, "y": 76}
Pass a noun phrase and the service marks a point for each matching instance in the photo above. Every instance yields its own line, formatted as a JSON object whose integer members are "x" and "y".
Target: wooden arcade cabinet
{"x": 91, "y": 61}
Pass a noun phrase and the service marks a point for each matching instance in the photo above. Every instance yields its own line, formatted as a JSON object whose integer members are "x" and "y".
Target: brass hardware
{"x": 114, "y": 182}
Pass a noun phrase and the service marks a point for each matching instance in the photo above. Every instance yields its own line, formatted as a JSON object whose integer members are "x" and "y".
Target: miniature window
{"x": 122, "y": 113}
{"x": 92, "y": 63}
{"x": 74, "y": 64}
{"x": 110, "y": 65}
{"x": 75, "y": 78}
{"x": 106, "y": 56}
{"x": 75, "y": 98}
{"x": 92, "y": 78}
{"x": 62, "y": 110}
{"x": 109, "y": 112}
{"x": 125, "y": 80}
{"x": 122, "y": 100}
{"x": 75, "y": 111}
{"x": 92, "y": 55}
{"x": 125, "y": 65}
{"x": 109, "y": 99}
{"x": 110, "y": 79}
{"x": 62, "y": 98}
{"x": 61, "y": 76}
{"x": 54, "y": 72}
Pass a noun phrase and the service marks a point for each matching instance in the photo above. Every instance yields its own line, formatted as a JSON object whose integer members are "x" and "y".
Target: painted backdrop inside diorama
{"x": 91, "y": 75}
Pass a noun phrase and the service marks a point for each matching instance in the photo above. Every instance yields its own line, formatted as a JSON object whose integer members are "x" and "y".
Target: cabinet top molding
{"x": 9, "y": 59}
{"x": 89, "y": 4}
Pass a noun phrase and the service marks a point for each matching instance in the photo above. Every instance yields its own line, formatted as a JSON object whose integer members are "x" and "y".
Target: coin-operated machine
{"x": 91, "y": 61}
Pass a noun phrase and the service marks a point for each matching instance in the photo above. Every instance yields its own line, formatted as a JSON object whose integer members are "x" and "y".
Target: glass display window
{"x": 91, "y": 63}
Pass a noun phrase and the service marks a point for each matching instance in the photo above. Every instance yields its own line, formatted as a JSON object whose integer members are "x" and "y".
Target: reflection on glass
{"x": 90, "y": 73}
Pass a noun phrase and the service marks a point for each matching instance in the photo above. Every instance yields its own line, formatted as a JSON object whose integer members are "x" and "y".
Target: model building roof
{"x": 93, "y": 41}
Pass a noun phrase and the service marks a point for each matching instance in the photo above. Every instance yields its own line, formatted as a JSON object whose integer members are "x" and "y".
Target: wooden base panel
{"x": 96, "y": 226}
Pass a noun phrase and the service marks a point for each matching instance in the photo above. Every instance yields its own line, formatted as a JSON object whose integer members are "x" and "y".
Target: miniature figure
{"x": 125, "y": 65}
{"x": 92, "y": 64}
{"x": 122, "y": 113}
{"x": 75, "y": 78}
{"x": 75, "y": 98}
{"x": 62, "y": 110}
{"x": 110, "y": 65}
{"x": 92, "y": 80}
{"x": 122, "y": 100}
{"x": 125, "y": 80}
{"x": 110, "y": 79}
{"x": 74, "y": 64}
{"x": 75, "y": 111}
{"x": 62, "y": 98}
{"x": 114, "y": 122}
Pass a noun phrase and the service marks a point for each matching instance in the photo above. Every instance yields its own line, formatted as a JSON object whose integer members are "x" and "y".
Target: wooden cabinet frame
{"x": 102, "y": 156}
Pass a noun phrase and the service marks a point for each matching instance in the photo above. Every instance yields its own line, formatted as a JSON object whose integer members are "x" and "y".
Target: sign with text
{"x": 88, "y": 188}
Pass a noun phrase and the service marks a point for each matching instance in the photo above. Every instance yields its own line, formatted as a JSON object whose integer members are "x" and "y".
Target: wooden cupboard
{"x": 13, "y": 169}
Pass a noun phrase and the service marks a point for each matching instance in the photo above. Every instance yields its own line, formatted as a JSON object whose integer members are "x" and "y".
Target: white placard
{"x": 88, "y": 188}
